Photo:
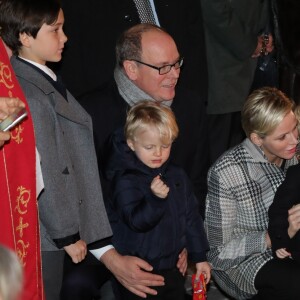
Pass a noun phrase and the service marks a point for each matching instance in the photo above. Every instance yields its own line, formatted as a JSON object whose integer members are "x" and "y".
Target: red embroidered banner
{"x": 19, "y": 228}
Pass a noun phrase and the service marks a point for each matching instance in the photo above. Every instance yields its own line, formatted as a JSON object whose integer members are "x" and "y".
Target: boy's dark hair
{"x": 25, "y": 16}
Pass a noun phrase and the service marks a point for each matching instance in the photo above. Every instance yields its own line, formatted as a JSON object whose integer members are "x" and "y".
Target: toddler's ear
{"x": 130, "y": 144}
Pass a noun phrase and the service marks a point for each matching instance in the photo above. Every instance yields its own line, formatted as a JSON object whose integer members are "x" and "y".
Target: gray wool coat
{"x": 72, "y": 198}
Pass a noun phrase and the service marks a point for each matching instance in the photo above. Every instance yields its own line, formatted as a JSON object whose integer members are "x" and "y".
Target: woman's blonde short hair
{"x": 263, "y": 111}
{"x": 146, "y": 114}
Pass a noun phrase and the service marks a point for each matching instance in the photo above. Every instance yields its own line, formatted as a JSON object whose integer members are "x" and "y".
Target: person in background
{"x": 234, "y": 41}
{"x": 241, "y": 187}
{"x": 286, "y": 33}
{"x": 153, "y": 210}
{"x": 11, "y": 275}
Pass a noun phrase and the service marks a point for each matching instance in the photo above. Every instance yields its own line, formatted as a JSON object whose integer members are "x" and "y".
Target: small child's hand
{"x": 282, "y": 253}
{"x": 203, "y": 267}
{"x": 159, "y": 188}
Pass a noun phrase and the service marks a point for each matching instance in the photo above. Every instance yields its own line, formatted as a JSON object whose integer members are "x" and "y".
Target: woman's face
{"x": 282, "y": 142}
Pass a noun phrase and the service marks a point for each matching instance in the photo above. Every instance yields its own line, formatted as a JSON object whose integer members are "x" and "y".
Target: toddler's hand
{"x": 159, "y": 188}
{"x": 203, "y": 267}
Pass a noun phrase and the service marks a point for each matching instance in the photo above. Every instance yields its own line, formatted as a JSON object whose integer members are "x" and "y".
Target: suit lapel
{"x": 67, "y": 108}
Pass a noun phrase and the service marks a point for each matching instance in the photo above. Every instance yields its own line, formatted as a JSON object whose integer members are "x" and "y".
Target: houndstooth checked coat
{"x": 241, "y": 187}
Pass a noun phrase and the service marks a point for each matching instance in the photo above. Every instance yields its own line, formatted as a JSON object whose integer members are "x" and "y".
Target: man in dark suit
{"x": 93, "y": 29}
{"x": 148, "y": 68}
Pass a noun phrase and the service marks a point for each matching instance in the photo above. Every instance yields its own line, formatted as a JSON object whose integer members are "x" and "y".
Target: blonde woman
{"x": 241, "y": 187}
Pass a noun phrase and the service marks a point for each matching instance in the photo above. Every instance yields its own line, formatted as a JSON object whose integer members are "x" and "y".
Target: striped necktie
{"x": 145, "y": 11}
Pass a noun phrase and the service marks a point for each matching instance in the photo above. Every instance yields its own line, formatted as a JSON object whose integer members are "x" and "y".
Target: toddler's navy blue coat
{"x": 146, "y": 226}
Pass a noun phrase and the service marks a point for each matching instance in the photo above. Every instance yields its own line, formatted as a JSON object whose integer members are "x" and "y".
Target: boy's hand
{"x": 77, "y": 251}
{"x": 204, "y": 268}
{"x": 159, "y": 188}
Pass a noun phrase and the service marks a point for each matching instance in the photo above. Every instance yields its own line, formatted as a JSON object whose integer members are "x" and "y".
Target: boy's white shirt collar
{"x": 44, "y": 68}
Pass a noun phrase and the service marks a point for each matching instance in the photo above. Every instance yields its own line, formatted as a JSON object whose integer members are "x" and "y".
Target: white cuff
{"x": 99, "y": 252}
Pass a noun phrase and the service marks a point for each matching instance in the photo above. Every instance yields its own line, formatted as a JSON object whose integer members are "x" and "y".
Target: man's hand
{"x": 77, "y": 251}
{"x": 182, "y": 261}
{"x": 7, "y": 107}
{"x": 264, "y": 46}
{"x": 4, "y": 136}
{"x": 130, "y": 272}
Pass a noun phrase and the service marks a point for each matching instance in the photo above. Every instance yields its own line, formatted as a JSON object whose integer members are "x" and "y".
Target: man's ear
{"x": 24, "y": 39}
{"x": 256, "y": 139}
{"x": 130, "y": 144}
{"x": 131, "y": 69}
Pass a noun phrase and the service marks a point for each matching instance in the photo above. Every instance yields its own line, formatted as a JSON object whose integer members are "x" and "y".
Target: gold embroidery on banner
{"x": 21, "y": 226}
{"x": 22, "y": 200}
{"x": 22, "y": 251}
{"x": 6, "y": 76}
{"x": 16, "y": 134}
{"x": 6, "y": 79}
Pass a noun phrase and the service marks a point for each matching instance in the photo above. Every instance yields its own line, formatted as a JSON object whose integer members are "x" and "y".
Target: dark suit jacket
{"x": 93, "y": 27}
{"x": 287, "y": 195}
{"x": 108, "y": 110}
{"x": 231, "y": 31}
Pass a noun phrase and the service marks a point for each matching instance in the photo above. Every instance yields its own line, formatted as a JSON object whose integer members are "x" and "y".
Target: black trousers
{"x": 278, "y": 279}
{"x": 52, "y": 268}
{"x": 173, "y": 288}
{"x": 83, "y": 281}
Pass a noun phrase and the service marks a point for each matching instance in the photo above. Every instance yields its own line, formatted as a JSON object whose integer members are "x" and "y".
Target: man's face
{"x": 159, "y": 49}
